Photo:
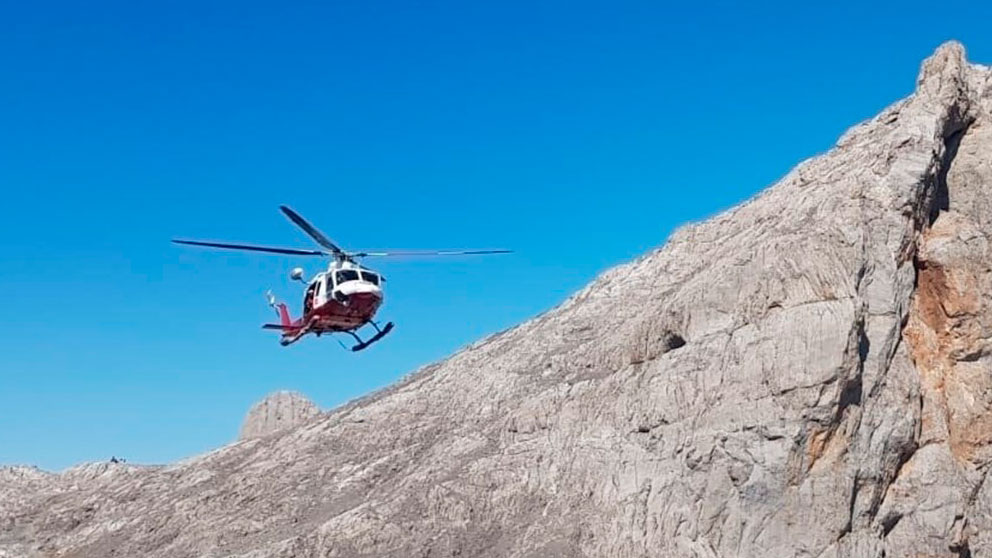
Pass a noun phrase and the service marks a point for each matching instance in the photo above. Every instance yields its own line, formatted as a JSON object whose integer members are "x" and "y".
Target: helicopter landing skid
{"x": 380, "y": 333}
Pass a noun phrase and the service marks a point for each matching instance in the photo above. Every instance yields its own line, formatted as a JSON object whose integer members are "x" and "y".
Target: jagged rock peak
{"x": 946, "y": 64}
{"x": 278, "y": 411}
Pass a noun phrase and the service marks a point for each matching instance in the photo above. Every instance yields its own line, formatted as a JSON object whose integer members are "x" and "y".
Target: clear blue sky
{"x": 577, "y": 133}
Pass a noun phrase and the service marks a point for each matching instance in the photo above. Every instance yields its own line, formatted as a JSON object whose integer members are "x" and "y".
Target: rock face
{"x": 809, "y": 374}
{"x": 278, "y": 411}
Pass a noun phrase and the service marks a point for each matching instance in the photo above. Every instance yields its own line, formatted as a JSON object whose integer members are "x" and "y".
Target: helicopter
{"x": 342, "y": 299}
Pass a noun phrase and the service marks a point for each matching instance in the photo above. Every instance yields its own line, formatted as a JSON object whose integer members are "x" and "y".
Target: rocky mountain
{"x": 277, "y": 412}
{"x": 808, "y": 375}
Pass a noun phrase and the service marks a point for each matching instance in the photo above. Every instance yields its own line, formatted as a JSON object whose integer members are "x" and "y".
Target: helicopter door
{"x": 309, "y": 298}
{"x": 323, "y": 289}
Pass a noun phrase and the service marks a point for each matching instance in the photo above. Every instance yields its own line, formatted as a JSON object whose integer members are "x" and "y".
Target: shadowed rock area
{"x": 808, "y": 375}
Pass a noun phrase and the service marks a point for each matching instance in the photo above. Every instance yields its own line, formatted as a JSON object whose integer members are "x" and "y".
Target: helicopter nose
{"x": 368, "y": 289}
{"x": 367, "y": 295}
{"x": 359, "y": 289}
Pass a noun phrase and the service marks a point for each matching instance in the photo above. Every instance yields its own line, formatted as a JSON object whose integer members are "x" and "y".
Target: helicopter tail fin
{"x": 284, "y": 315}
{"x": 285, "y": 321}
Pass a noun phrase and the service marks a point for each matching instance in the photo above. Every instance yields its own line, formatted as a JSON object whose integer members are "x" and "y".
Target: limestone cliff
{"x": 808, "y": 374}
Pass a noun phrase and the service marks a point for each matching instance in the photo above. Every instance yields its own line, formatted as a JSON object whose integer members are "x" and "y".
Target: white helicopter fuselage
{"x": 344, "y": 297}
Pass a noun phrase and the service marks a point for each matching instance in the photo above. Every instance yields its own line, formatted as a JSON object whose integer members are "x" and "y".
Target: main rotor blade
{"x": 311, "y": 230}
{"x": 425, "y": 253}
{"x": 291, "y": 251}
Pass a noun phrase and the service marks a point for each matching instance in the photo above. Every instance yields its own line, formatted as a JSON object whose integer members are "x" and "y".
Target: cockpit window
{"x": 370, "y": 277}
{"x": 345, "y": 275}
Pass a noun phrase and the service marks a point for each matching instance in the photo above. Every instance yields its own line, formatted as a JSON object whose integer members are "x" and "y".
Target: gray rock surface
{"x": 278, "y": 411}
{"x": 808, "y": 375}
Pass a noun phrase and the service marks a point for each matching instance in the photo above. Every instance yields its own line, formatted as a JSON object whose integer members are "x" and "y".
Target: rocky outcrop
{"x": 278, "y": 411}
{"x": 804, "y": 375}
{"x": 949, "y": 334}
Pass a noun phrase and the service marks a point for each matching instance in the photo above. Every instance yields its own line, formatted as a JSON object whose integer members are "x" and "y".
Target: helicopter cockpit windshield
{"x": 370, "y": 277}
{"x": 345, "y": 275}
